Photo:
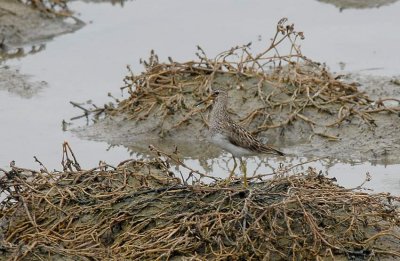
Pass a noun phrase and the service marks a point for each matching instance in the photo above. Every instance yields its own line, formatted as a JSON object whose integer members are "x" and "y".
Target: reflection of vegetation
{"x": 58, "y": 7}
{"x": 261, "y": 166}
{"x": 113, "y": 2}
{"x": 6, "y": 53}
{"x": 121, "y": 2}
{"x": 139, "y": 210}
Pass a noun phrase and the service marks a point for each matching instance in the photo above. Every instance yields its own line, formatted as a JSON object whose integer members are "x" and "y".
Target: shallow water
{"x": 91, "y": 62}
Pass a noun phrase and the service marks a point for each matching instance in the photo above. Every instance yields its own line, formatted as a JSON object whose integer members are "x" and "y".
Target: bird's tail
{"x": 270, "y": 150}
{"x": 280, "y": 153}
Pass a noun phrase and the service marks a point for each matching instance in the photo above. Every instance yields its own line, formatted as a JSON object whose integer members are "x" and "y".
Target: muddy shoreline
{"x": 25, "y": 31}
{"x": 21, "y": 26}
{"x": 355, "y": 4}
{"x": 357, "y": 141}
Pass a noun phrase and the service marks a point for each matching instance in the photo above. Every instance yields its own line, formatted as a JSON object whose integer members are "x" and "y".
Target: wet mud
{"x": 348, "y": 4}
{"x": 355, "y": 140}
{"x": 22, "y": 26}
{"x": 24, "y": 31}
{"x": 12, "y": 81}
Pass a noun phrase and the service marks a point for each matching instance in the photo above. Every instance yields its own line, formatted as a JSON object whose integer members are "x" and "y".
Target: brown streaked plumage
{"x": 230, "y": 136}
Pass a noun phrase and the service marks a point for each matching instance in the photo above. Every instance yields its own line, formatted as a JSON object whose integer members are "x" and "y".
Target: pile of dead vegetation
{"x": 270, "y": 90}
{"x": 139, "y": 210}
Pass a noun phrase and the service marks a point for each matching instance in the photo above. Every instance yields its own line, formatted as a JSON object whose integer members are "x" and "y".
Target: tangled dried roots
{"x": 286, "y": 86}
{"x": 140, "y": 211}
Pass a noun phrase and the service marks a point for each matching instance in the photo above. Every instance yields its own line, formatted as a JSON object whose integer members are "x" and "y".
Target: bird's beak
{"x": 205, "y": 100}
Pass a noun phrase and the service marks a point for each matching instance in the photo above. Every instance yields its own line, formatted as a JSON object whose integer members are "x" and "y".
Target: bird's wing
{"x": 239, "y": 136}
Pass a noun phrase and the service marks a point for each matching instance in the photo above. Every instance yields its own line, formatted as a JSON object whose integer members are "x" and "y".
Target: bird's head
{"x": 215, "y": 94}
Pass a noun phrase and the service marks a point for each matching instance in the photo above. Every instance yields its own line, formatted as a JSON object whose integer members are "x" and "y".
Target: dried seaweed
{"x": 140, "y": 211}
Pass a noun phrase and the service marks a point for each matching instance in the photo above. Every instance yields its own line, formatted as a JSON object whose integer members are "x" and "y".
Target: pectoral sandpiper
{"x": 231, "y": 137}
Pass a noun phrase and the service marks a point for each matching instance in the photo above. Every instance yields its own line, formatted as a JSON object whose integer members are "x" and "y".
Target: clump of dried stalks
{"x": 297, "y": 85}
{"x": 140, "y": 211}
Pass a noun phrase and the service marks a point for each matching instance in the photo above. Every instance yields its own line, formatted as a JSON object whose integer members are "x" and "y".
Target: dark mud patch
{"x": 348, "y": 4}
{"x": 22, "y": 25}
{"x": 12, "y": 81}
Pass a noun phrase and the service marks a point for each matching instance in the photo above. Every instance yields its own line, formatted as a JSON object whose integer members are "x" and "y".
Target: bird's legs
{"x": 234, "y": 168}
{"x": 244, "y": 170}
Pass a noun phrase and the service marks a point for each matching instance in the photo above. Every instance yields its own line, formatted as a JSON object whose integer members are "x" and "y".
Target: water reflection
{"x": 113, "y": 2}
{"x": 383, "y": 178}
{"x": 348, "y": 173}
{"x": 7, "y": 53}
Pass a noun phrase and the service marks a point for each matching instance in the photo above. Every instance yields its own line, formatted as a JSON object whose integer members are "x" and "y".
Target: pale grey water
{"x": 91, "y": 62}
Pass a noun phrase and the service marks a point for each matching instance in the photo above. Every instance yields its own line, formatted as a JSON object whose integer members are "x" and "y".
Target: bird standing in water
{"x": 231, "y": 137}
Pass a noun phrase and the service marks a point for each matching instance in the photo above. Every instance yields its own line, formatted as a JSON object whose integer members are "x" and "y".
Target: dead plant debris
{"x": 286, "y": 87}
{"x": 139, "y": 210}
